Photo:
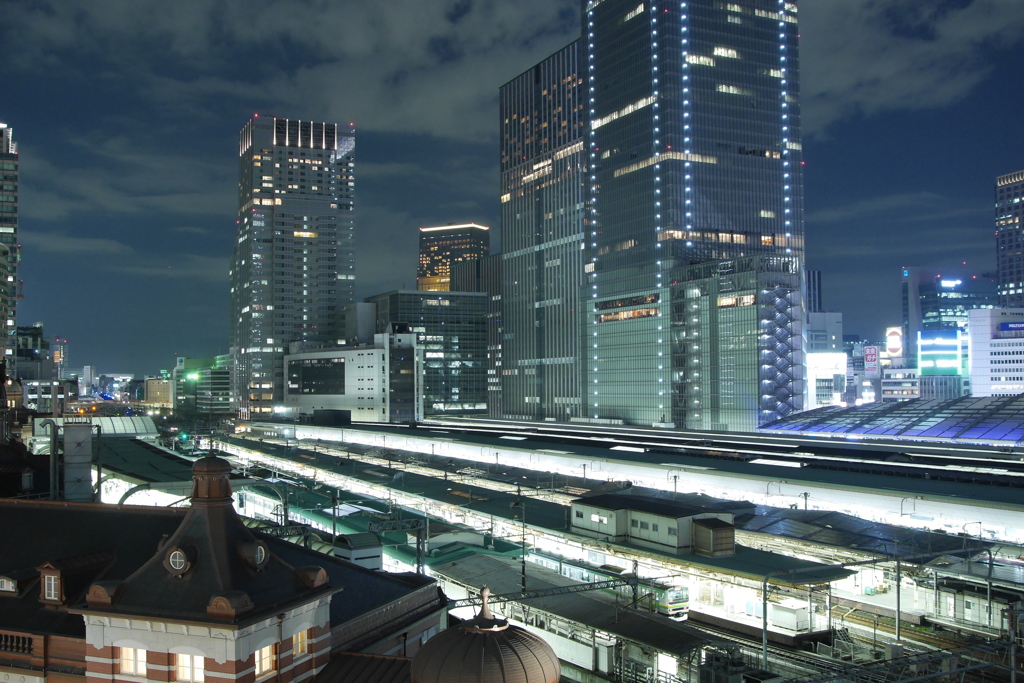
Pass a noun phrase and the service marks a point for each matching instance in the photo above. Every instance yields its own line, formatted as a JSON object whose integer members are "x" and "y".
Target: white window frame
{"x": 51, "y": 587}
{"x": 265, "y": 662}
{"x": 189, "y": 668}
{"x": 132, "y": 661}
{"x": 300, "y": 644}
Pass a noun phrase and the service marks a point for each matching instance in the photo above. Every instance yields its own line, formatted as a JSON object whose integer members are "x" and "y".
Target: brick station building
{"x": 99, "y": 593}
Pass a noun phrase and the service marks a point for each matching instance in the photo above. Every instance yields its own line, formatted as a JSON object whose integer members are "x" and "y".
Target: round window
{"x": 177, "y": 560}
{"x": 261, "y": 554}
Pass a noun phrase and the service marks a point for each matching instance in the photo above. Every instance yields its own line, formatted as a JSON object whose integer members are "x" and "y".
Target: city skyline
{"x": 128, "y": 178}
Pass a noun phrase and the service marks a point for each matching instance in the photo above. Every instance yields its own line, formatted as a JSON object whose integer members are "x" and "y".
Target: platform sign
{"x": 938, "y": 353}
{"x": 871, "y": 367}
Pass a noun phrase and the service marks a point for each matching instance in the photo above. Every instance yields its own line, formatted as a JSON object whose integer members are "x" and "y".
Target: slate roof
{"x": 93, "y": 542}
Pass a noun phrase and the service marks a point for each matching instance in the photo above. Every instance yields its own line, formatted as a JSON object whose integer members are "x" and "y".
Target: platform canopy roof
{"x": 984, "y": 420}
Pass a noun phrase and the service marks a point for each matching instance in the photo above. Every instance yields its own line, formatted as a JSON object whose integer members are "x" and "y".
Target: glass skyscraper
{"x": 293, "y": 265}
{"x": 442, "y": 247}
{"x": 543, "y": 186}
{"x": 1010, "y": 239}
{"x": 9, "y": 240}
{"x": 694, "y": 157}
{"x": 450, "y": 327}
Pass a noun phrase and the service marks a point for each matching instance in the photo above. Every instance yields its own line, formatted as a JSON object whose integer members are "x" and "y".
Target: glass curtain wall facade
{"x": 9, "y": 250}
{"x": 695, "y": 156}
{"x": 1010, "y": 239}
{"x": 293, "y": 265}
{"x": 543, "y": 196}
{"x": 450, "y": 327}
{"x": 732, "y": 339}
{"x": 484, "y": 275}
{"x": 443, "y": 247}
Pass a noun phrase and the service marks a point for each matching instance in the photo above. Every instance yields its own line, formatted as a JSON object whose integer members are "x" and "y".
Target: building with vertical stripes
{"x": 1010, "y": 239}
{"x": 9, "y": 251}
{"x": 293, "y": 267}
{"x": 543, "y": 196}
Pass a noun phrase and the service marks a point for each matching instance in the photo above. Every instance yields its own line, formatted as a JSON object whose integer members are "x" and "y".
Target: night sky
{"x": 127, "y": 115}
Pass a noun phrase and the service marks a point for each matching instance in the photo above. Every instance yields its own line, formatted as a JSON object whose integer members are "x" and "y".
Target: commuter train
{"x": 667, "y": 599}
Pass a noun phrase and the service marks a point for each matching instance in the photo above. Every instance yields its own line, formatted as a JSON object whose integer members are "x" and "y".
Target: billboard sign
{"x": 1011, "y": 327}
{"x": 871, "y": 368}
{"x": 894, "y": 342}
{"x": 938, "y": 353}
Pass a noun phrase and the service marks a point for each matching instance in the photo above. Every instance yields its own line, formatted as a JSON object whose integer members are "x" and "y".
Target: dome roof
{"x": 211, "y": 464}
{"x": 486, "y": 650}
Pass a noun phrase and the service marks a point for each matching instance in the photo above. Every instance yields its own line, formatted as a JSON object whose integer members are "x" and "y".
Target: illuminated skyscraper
{"x": 1010, "y": 239}
{"x": 543, "y": 196}
{"x": 444, "y": 246}
{"x": 695, "y": 157}
{"x": 293, "y": 266}
{"x": 9, "y": 238}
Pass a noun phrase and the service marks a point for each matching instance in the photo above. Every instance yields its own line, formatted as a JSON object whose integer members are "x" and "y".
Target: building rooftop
{"x": 655, "y": 506}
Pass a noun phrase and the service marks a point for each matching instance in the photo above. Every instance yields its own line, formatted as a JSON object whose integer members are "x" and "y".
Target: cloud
{"x": 419, "y": 67}
{"x": 188, "y": 266}
{"x": 864, "y": 57}
{"x": 57, "y": 243}
{"x": 191, "y": 230}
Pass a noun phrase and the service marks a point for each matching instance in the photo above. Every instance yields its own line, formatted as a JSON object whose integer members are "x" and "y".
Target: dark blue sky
{"x": 127, "y": 114}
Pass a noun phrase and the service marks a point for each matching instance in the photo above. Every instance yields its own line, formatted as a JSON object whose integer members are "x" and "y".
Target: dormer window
{"x": 177, "y": 560}
{"x": 51, "y": 587}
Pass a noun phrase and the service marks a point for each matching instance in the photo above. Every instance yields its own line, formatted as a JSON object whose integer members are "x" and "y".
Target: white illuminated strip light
{"x": 776, "y": 463}
{"x": 701, "y": 451}
{"x": 628, "y": 109}
{"x": 631, "y": 449}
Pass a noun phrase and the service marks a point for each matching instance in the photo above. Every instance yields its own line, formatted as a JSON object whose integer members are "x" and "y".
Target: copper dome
{"x": 486, "y": 650}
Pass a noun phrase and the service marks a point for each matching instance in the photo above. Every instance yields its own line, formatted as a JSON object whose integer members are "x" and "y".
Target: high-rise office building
{"x": 543, "y": 196}
{"x": 450, "y": 327}
{"x": 443, "y": 246}
{"x": 694, "y": 156}
{"x": 1010, "y": 239}
{"x": 941, "y": 300}
{"x": 9, "y": 238}
{"x": 484, "y": 275}
{"x": 293, "y": 266}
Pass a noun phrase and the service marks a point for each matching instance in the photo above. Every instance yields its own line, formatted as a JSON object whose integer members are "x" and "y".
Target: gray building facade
{"x": 543, "y": 195}
{"x": 694, "y": 156}
{"x": 293, "y": 265}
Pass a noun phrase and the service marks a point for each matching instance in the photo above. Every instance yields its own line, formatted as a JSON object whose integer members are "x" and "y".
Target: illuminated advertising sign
{"x": 938, "y": 353}
{"x": 1011, "y": 327}
{"x": 894, "y": 342}
{"x": 871, "y": 369}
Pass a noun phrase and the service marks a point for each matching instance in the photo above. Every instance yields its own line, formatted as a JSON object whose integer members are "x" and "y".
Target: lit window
{"x": 7, "y": 586}
{"x": 133, "y": 661}
{"x": 264, "y": 661}
{"x": 300, "y": 644}
{"x": 726, "y": 52}
{"x": 189, "y": 668}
